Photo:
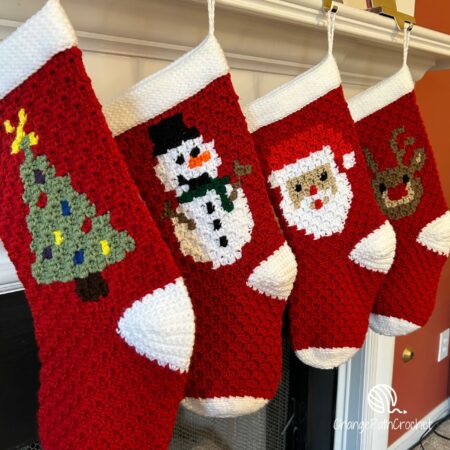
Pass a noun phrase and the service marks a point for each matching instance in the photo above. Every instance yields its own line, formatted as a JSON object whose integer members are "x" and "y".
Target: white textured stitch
{"x": 381, "y": 94}
{"x": 160, "y": 326}
{"x": 349, "y": 160}
{"x": 294, "y": 95}
{"x": 391, "y": 326}
{"x": 34, "y": 43}
{"x": 376, "y": 251}
{"x": 275, "y": 275}
{"x": 161, "y": 91}
{"x": 336, "y": 200}
{"x": 326, "y": 358}
{"x": 435, "y": 236}
{"x": 224, "y": 406}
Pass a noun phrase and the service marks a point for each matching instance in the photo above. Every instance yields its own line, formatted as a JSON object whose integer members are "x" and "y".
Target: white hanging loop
{"x": 211, "y": 8}
{"x": 406, "y": 36}
{"x": 330, "y": 26}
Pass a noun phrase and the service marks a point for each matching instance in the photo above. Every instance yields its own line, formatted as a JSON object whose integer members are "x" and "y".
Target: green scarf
{"x": 216, "y": 184}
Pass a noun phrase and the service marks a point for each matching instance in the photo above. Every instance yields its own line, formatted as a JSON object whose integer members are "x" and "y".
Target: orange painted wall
{"x": 423, "y": 383}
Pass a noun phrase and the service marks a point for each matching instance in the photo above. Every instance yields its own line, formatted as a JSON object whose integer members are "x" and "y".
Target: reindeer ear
{"x": 418, "y": 159}
{"x": 370, "y": 160}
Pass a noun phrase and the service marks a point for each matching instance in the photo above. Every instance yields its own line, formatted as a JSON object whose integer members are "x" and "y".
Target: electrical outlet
{"x": 443, "y": 344}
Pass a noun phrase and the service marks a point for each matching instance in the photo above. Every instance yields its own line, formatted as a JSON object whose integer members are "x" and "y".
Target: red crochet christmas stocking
{"x": 304, "y": 135}
{"x": 112, "y": 316}
{"x": 407, "y": 189}
{"x": 186, "y": 142}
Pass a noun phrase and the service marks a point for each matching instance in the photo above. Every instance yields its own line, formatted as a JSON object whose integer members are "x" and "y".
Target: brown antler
{"x": 399, "y": 152}
{"x": 371, "y": 160}
{"x": 409, "y": 141}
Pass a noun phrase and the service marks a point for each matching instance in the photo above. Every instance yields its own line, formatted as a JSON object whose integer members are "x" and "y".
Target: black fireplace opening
{"x": 300, "y": 416}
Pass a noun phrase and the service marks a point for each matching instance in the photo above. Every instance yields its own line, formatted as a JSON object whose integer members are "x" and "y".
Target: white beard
{"x": 329, "y": 219}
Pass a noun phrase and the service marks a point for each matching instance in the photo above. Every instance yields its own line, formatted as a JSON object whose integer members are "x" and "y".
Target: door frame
{"x": 371, "y": 366}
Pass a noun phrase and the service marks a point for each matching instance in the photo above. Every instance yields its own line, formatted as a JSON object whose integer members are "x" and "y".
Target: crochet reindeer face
{"x": 398, "y": 190}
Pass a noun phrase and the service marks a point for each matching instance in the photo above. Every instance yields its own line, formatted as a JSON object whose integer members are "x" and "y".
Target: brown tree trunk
{"x": 91, "y": 288}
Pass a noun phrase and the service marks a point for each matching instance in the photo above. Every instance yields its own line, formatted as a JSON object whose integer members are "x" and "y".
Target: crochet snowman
{"x": 212, "y": 221}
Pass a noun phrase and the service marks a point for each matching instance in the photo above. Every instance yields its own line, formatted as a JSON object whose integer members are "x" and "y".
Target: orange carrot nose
{"x": 199, "y": 160}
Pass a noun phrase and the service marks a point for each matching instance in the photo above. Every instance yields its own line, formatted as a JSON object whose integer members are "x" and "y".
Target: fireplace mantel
{"x": 277, "y": 36}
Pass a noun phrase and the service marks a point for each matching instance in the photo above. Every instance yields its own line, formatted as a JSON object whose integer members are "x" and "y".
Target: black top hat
{"x": 170, "y": 133}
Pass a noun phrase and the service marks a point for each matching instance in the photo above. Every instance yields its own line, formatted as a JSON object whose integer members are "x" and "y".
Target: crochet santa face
{"x": 316, "y": 195}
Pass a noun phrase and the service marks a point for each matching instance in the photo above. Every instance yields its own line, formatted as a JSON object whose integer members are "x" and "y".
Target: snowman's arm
{"x": 242, "y": 169}
{"x": 180, "y": 217}
{"x": 234, "y": 193}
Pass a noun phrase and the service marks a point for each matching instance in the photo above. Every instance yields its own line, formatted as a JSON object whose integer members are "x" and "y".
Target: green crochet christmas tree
{"x": 69, "y": 239}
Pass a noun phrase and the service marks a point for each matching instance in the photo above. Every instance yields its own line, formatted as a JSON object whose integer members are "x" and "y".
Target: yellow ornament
{"x": 58, "y": 237}
{"x": 105, "y": 247}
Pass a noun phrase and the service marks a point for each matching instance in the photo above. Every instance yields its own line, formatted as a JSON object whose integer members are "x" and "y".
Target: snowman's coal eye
{"x": 180, "y": 159}
{"x": 195, "y": 152}
{"x": 298, "y": 188}
{"x": 323, "y": 175}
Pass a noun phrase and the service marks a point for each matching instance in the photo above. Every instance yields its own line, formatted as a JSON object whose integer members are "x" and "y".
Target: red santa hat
{"x": 308, "y": 141}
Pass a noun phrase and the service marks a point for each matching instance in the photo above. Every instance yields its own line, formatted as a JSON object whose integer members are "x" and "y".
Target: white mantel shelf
{"x": 287, "y": 36}
{"x": 370, "y": 28}
{"x": 282, "y": 37}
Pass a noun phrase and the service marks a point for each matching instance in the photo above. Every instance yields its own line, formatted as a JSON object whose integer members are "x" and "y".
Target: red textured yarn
{"x": 409, "y": 291}
{"x": 333, "y": 296}
{"x": 237, "y": 352}
{"x": 95, "y": 392}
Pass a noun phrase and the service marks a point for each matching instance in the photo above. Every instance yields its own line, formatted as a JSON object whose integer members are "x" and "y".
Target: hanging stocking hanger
{"x": 383, "y": 7}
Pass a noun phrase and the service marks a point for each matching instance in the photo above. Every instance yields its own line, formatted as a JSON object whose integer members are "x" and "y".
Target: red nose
{"x": 313, "y": 190}
{"x": 318, "y": 203}
{"x": 397, "y": 192}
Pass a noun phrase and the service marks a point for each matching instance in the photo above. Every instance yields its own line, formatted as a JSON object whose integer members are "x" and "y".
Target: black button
{"x": 210, "y": 208}
{"x": 217, "y": 224}
{"x": 223, "y": 241}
